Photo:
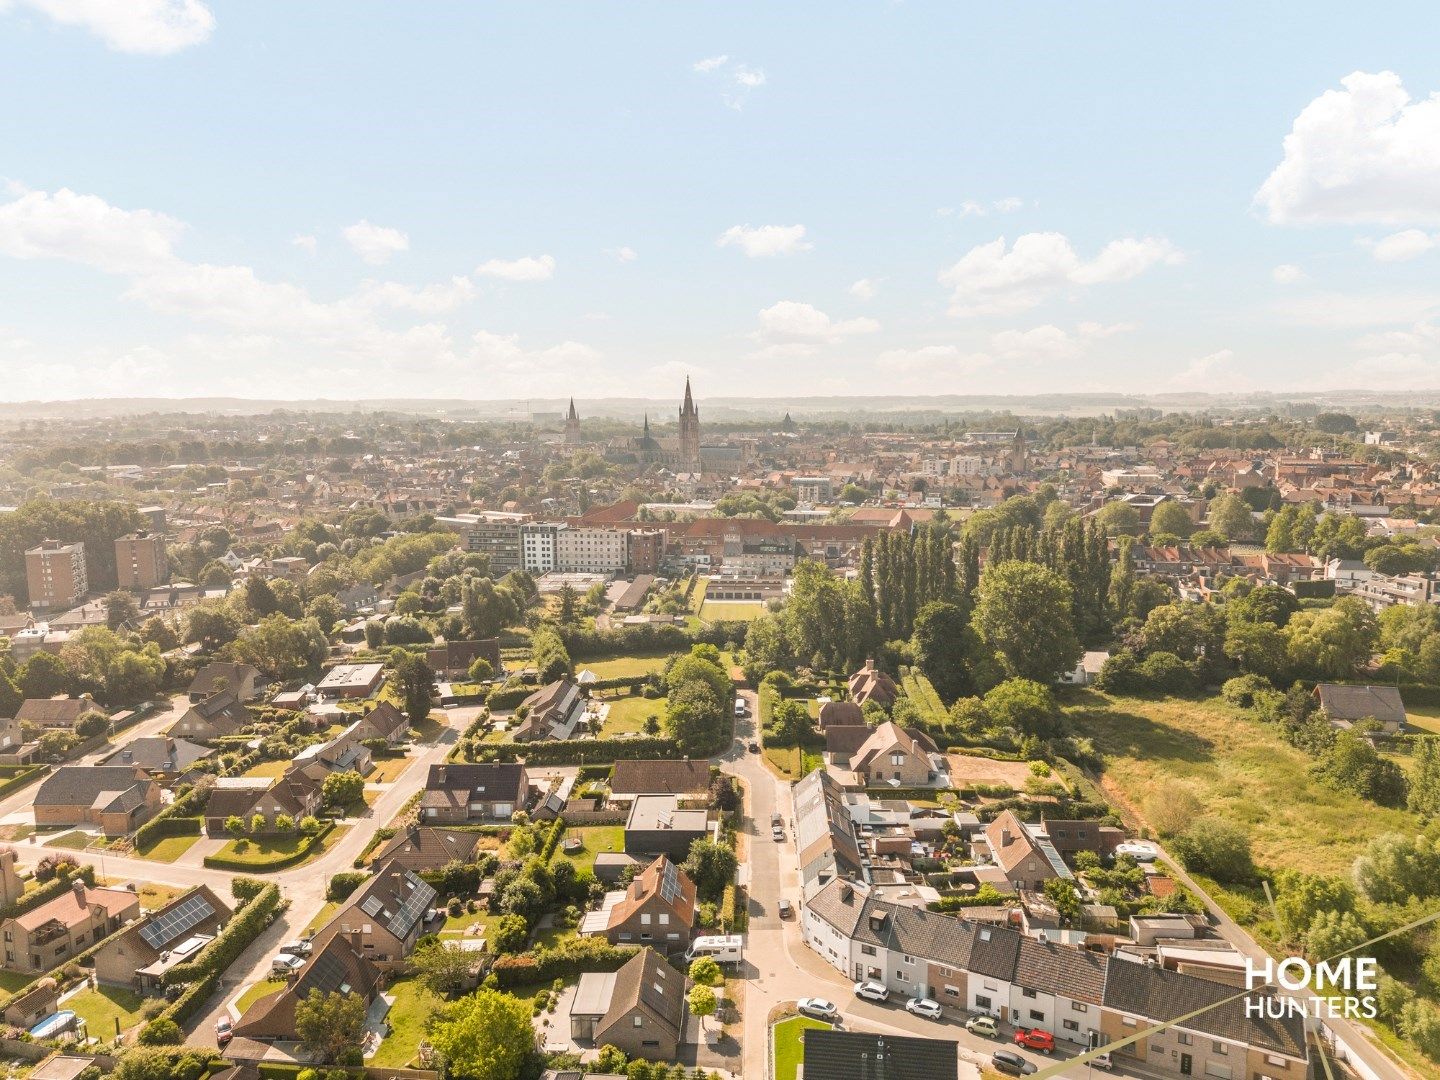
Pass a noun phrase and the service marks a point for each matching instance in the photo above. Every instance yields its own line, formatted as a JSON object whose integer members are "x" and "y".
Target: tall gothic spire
{"x": 688, "y": 409}
{"x": 572, "y": 415}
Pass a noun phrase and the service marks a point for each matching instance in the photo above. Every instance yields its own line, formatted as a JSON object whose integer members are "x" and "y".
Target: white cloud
{"x": 428, "y": 299}
{"x": 375, "y": 243}
{"x": 305, "y": 243}
{"x": 864, "y": 289}
{"x": 1287, "y": 274}
{"x": 1213, "y": 371}
{"x": 626, "y": 254}
{"x": 931, "y": 360}
{"x": 1401, "y": 246}
{"x": 501, "y": 357}
{"x": 526, "y": 268}
{"x": 974, "y": 208}
{"x": 153, "y": 27}
{"x": 763, "y": 241}
{"x": 711, "y": 63}
{"x": 1008, "y": 205}
{"x": 792, "y": 321}
{"x": 1364, "y": 154}
{"x": 989, "y": 280}
{"x": 739, "y": 79}
{"x": 1041, "y": 343}
{"x": 86, "y": 229}
{"x": 1102, "y": 330}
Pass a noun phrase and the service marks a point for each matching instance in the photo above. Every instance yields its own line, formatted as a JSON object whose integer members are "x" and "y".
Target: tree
{"x": 1258, "y": 647}
{"x": 1331, "y": 643}
{"x": 43, "y": 676}
{"x": 343, "y": 788}
{"x": 1170, "y": 517}
{"x": 211, "y": 626}
{"x": 444, "y": 969}
{"x": 10, "y": 697}
{"x": 281, "y": 646}
{"x": 1424, "y": 797}
{"x": 790, "y": 720}
{"x": 509, "y": 933}
{"x": 484, "y": 1036}
{"x": 481, "y": 670}
{"x": 414, "y": 679}
{"x": 121, "y": 610}
{"x": 1216, "y": 848}
{"x": 260, "y": 598}
{"x": 161, "y": 1032}
{"x": 569, "y": 602}
{"x": 1352, "y": 764}
{"x": 1066, "y": 897}
{"x": 702, "y": 1002}
{"x": 329, "y": 1025}
{"x": 1299, "y": 897}
{"x": 1024, "y": 705}
{"x": 548, "y": 654}
{"x": 1231, "y": 517}
{"x": 705, "y": 971}
{"x": 1022, "y": 619}
{"x": 91, "y": 722}
{"x": 235, "y": 826}
{"x": 1332, "y": 933}
{"x": 1335, "y": 423}
{"x": 1394, "y": 867}
{"x": 1119, "y": 517}
{"x": 711, "y": 865}
{"x": 940, "y": 643}
{"x": 610, "y": 1059}
{"x": 159, "y": 1063}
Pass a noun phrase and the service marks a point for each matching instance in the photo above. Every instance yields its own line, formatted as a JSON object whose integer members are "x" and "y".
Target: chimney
{"x": 1005, "y": 837}
{"x": 78, "y": 887}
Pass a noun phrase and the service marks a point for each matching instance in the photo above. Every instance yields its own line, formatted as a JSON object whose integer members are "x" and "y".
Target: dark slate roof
{"x": 648, "y": 982}
{"x": 1158, "y": 994}
{"x": 660, "y": 777}
{"x": 842, "y": 740}
{"x": 217, "y": 672}
{"x": 1359, "y": 702}
{"x": 1060, "y": 969}
{"x": 995, "y": 951}
{"x": 502, "y": 782}
{"x": 74, "y": 785}
{"x": 159, "y": 753}
{"x": 857, "y": 1055}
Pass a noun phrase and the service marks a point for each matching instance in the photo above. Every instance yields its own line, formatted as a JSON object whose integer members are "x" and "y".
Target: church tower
{"x": 572, "y": 426}
{"x": 689, "y": 446}
{"x": 1019, "y": 459}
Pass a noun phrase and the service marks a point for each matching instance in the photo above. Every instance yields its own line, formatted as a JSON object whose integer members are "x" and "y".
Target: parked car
{"x": 817, "y": 1007}
{"x": 754, "y": 748}
{"x": 1139, "y": 850}
{"x": 926, "y": 1007}
{"x": 871, "y": 990}
{"x": 1035, "y": 1039}
{"x": 286, "y": 964}
{"x": 1102, "y": 1061}
{"x": 1003, "y": 1061}
{"x": 784, "y": 908}
{"x": 224, "y": 1032}
{"x": 981, "y": 1025}
{"x": 298, "y": 947}
{"x": 776, "y": 821}
{"x": 777, "y": 834}
{"x": 739, "y": 706}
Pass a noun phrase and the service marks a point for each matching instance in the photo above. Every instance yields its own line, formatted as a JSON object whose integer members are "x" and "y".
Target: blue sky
{"x": 357, "y": 200}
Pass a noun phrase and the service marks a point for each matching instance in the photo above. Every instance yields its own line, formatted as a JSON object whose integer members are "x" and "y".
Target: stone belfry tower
{"x": 689, "y": 448}
{"x": 572, "y": 426}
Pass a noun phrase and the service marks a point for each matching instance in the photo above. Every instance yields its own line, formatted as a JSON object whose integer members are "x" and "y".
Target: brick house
{"x": 1023, "y": 857}
{"x": 891, "y": 753}
{"x": 45, "y": 937}
{"x": 640, "y": 1009}
{"x": 219, "y": 714}
{"x": 117, "y": 798}
{"x": 657, "y": 909}
{"x": 137, "y": 956}
{"x": 455, "y": 794}
{"x": 239, "y": 679}
{"x": 383, "y": 918}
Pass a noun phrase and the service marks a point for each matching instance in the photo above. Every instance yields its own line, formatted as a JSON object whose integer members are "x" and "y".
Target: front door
{"x": 1186, "y": 1064}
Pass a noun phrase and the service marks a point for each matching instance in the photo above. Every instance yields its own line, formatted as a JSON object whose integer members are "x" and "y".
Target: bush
{"x": 233, "y": 939}
{"x": 161, "y": 1032}
{"x": 571, "y": 957}
{"x": 245, "y": 889}
{"x": 342, "y": 885}
{"x": 570, "y": 752}
{"x": 1241, "y": 690}
{"x": 1216, "y": 848}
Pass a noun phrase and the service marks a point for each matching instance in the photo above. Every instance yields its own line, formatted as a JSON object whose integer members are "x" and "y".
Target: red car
{"x": 1035, "y": 1039}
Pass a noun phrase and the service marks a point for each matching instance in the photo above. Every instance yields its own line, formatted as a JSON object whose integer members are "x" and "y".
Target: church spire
{"x": 688, "y": 409}
{"x": 572, "y": 415}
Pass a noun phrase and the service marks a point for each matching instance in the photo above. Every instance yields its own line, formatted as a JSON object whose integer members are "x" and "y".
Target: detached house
{"x": 219, "y": 714}
{"x": 45, "y": 937}
{"x": 1025, "y": 856}
{"x": 56, "y": 713}
{"x": 117, "y": 798}
{"x": 1346, "y": 706}
{"x": 139, "y": 956}
{"x": 657, "y": 909}
{"x": 892, "y": 755}
{"x": 163, "y": 758}
{"x": 239, "y": 679}
{"x": 334, "y": 967}
{"x": 690, "y": 780}
{"x": 552, "y": 712}
{"x": 640, "y": 1009}
{"x": 386, "y": 722}
{"x": 455, "y": 794}
{"x": 296, "y": 795}
{"x": 453, "y": 659}
{"x": 383, "y": 918}
{"x": 872, "y": 684}
{"x": 426, "y": 847}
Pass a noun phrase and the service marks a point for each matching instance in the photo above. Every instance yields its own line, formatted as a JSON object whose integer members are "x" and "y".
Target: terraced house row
{"x": 1079, "y": 996}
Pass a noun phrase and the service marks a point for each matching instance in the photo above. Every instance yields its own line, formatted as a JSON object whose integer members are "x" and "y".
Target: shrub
{"x": 1217, "y": 848}
{"x": 342, "y": 885}
{"x": 161, "y": 1032}
{"x": 1241, "y": 691}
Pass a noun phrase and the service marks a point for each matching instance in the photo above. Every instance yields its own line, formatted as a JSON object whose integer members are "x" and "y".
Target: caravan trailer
{"x": 723, "y": 949}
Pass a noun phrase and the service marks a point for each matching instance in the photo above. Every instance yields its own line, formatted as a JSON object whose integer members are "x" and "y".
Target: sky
{"x": 474, "y": 200}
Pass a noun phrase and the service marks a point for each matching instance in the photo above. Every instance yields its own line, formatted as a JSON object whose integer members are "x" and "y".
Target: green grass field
{"x": 1238, "y": 768}
{"x": 258, "y": 990}
{"x": 731, "y": 610}
{"x": 168, "y": 849}
{"x": 1424, "y": 717}
{"x": 628, "y": 713}
{"x": 408, "y": 1015}
{"x": 387, "y": 770}
{"x": 624, "y": 667}
{"x": 794, "y": 762}
{"x": 597, "y": 838}
{"x": 257, "y": 854}
{"x": 101, "y": 1007}
{"x": 75, "y": 840}
{"x": 790, "y": 1046}
{"x": 918, "y": 689}
{"x": 268, "y": 768}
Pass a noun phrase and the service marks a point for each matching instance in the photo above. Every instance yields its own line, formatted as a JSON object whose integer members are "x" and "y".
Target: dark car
{"x": 1011, "y": 1064}
{"x": 754, "y": 748}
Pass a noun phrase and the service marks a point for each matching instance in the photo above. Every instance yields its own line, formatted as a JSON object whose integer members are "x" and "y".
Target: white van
{"x": 739, "y": 707}
{"x": 722, "y": 948}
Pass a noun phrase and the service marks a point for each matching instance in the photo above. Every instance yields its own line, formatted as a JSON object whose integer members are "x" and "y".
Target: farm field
{"x": 624, "y": 667}
{"x": 1239, "y": 769}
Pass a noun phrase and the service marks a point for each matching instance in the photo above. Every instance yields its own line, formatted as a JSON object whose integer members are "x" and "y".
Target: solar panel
{"x": 415, "y": 904}
{"x": 170, "y": 925}
{"x": 669, "y": 883}
{"x": 372, "y": 906}
{"x": 324, "y": 973}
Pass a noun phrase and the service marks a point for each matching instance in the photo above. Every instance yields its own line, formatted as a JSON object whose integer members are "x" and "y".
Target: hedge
{"x": 172, "y": 826}
{"x": 236, "y": 936}
{"x": 187, "y": 806}
{"x": 577, "y": 955}
{"x": 46, "y": 892}
{"x": 278, "y": 862}
{"x": 552, "y": 839}
{"x": 985, "y": 752}
{"x": 378, "y": 837}
{"x": 571, "y": 752}
{"x": 619, "y": 682}
{"x": 501, "y": 698}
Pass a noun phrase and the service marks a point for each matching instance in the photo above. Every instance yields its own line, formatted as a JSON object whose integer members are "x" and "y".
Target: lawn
{"x": 101, "y": 1007}
{"x": 10, "y": 981}
{"x": 256, "y": 991}
{"x": 793, "y": 762}
{"x": 322, "y": 916}
{"x": 409, "y": 1011}
{"x": 75, "y": 840}
{"x": 597, "y": 838}
{"x": 269, "y": 768}
{"x": 697, "y": 594}
{"x": 457, "y": 925}
{"x": 625, "y": 667}
{"x": 168, "y": 849}
{"x": 731, "y": 610}
{"x": 1239, "y": 769}
{"x": 387, "y": 770}
{"x": 918, "y": 689}
{"x": 1424, "y": 717}
{"x": 258, "y": 854}
{"x": 628, "y": 714}
{"x": 790, "y": 1046}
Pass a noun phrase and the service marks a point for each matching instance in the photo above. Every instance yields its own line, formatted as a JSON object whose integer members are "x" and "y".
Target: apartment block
{"x": 141, "y": 562}
{"x": 591, "y": 551}
{"x": 55, "y": 574}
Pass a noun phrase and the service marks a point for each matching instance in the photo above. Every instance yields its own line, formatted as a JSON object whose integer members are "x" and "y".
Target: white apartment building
{"x": 537, "y": 547}
{"x": 591, "y": 551}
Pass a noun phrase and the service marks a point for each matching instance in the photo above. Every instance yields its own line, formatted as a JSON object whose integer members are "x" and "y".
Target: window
{"x": 644, "y": 920}
{"x": 908, "y": 959}
{"x": 637, "y": 1021}
{"x": 1036, "y": 1014}
{"x": 1070, "y": 1025}
{"x": 901, "y": 976}
{"x": 867, "y": 950}
{"x": 951, "y": 991}
{"x": 1219, "y": 1048}
{"x": 664, "y": 920}
{"x": 1027, "y": 993}
{"x": 1128, "y": 1021}
{"x": 982, "y": 1002}
{"x": 1079, "y": 1006}
{"x": 1183, "y": 1039}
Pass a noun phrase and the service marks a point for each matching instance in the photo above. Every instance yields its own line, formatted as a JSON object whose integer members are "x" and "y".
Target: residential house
{"x": 383, "y": 918}
{"x": 346, "y": 752}
{"x": 14, "y": 749}
{"x": 1070, "y": 836}
{"x": 840, "y": 714}
{"x": 1025, "y": 855}
{"x": 1346, "y": 706}
{"x": 898, "y": 757}
{"x": 239, "y": 679}
{"x": 294, "y": 795}
{"x": 686, "y": 779}
{"x": 45, "y": 937}
{"x": 350, "y": 681}
{"x": 139, "y": 955}
{"x": 386, "y": 722}
{"x": 56, "y": 713}
{"x": 218, "y": 715}
{"x": 1058, "y": 988}
{"x": 427, "y": 847}
{"x": 336, "y": 966}
{"x": 164, "y": 759}
{"x": 825, "y": 837}
{"x": 640, "y": 1009}
{"x": 657, "y": 826}
{"x": 116, "y": 798}
{"x": 552, "y": 712}
{"x": 658, "y": 909}
{"x": 872, "y": 684}
{"x": 452, "y": 659}
{"x": 456, "y": 794}
{"x": 831, "y": 1054}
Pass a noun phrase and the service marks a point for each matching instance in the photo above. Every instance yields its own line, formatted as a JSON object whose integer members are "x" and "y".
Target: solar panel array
{"x": 170, "y": 925}
{"x": 415, "y": 904}
{"x": 669, "y": 883}
{"x": 372, "y": 906}
{"x": 324, "y": 973}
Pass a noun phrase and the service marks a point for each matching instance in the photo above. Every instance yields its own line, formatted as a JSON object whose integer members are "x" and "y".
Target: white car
{"x": 1139, "y": 850}
{"x": 817, "y": 1007}
{"x": 926, "y": 1007}
{"x": 871, "y": 990}
{"x": 739, "y": 707}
